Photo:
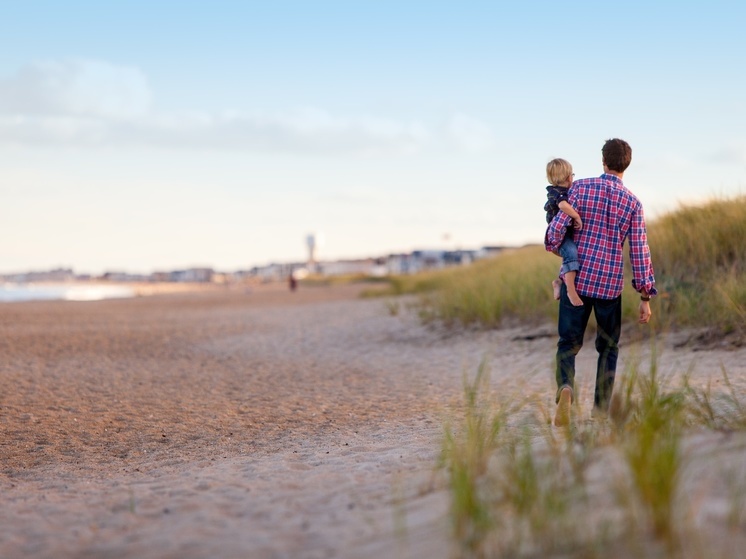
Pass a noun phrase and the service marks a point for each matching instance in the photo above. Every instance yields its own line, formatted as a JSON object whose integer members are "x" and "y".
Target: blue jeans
{"x": 568, "y": 250}
{"x": 571, "y": 326}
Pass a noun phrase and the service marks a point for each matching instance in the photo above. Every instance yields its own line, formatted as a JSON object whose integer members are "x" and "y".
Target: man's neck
{"x": 615, "y": 173}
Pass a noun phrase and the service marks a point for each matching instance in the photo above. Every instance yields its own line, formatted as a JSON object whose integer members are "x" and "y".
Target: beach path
{"x": 257, "y": 423}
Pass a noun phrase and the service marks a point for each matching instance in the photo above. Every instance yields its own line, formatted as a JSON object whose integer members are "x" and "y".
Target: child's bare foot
{"x": 574, "y": 298}
{"x": 556, "y": 284}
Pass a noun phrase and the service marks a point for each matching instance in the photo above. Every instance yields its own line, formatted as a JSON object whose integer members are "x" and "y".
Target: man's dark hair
{"x": 617, "y": 155}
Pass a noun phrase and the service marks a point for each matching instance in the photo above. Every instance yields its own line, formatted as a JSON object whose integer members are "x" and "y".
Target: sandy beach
{"x": 260, "y": 424}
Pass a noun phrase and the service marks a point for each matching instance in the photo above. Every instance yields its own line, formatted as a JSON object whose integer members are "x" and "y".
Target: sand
{"x": 257, "y": 423}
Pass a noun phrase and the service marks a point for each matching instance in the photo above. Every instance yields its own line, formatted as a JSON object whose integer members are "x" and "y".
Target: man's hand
{"x": 578, "y": 223}
{"x": 645, "y": 312}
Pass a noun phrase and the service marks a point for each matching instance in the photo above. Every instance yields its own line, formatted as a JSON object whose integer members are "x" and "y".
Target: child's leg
{"x": 571, "y": 293}
{"x": 570, "y": 267}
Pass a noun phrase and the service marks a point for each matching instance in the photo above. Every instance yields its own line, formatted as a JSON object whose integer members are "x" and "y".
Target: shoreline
{"x": 16, "y": 292}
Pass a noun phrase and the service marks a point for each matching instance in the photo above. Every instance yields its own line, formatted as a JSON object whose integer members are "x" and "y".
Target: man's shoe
{"x": 562, "y": 416}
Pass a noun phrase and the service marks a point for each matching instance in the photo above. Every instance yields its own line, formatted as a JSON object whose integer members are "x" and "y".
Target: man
{"x": 611, "y": 215}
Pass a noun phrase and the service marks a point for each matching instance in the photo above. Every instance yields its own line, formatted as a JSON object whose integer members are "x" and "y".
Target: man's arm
{"x": 643, "y": 279}
{"x": 556, "y": 231}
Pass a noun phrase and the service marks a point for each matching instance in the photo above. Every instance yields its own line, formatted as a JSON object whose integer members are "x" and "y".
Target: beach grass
{"x": 612, "y": 486}
{"x": 466, "y": 452}
{"x": 653, "y": 426}
{"x": 698, "y": 255}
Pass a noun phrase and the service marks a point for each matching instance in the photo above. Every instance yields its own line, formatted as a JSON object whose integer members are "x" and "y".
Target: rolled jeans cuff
{"x": 571, "y": 266}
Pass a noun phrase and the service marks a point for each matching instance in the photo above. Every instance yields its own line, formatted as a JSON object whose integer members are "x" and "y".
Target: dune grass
{"x": 700, "y": 265}
{"x": 467, "y": 453}
{"x": 517, "y": 283}
{"x": 700, "y": 261}
{"x": 653, "y": 426}
{"x": 612, "y": 487}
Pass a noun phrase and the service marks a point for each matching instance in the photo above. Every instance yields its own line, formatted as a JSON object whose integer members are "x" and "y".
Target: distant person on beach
{"x": 611, "y": 216}
{"x": 560, "y": 175}
{"x": 292, "y": 282}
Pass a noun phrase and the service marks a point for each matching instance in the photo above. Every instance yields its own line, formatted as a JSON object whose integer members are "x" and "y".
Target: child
{"x": 559, "y": 174}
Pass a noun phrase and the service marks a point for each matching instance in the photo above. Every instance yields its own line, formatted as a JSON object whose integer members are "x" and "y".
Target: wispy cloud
{"x": 730, "y": 155}
{"x": 76, "y": 88}
{"x": 470, "y": 133}
{"x": 306, "y": 130}
{"x": 93, "y": 103}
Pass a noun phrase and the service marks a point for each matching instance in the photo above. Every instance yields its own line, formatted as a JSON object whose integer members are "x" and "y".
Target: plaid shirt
{"x": 611, "y": 214}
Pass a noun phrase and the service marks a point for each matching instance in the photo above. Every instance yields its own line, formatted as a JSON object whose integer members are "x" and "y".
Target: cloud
{"x": 307, "y": 130}
{"x": 52, "y": 130}
{"x": 291, "y": 132}
{"x": 83, "y": 88}
{"x": 92, "y": 103}
{"x": 731, "y": 155}
{"x": 470, "y": 134}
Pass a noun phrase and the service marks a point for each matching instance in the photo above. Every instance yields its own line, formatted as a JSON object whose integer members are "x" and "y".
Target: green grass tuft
{"x": 521, "y": 488}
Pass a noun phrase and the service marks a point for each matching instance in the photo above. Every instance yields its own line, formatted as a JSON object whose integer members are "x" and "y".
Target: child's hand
{"x": 578, "y": 223}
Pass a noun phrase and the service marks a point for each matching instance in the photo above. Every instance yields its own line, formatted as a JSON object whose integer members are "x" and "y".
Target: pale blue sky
{"x": 156, "y": 135}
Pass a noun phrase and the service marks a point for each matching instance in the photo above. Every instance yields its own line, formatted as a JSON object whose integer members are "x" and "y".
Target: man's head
{"x": 559, "y": 172}
{"x": 617, "y": 155}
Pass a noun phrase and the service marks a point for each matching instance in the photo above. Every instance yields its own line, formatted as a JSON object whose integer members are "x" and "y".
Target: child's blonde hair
{"x": 558, "y": 170}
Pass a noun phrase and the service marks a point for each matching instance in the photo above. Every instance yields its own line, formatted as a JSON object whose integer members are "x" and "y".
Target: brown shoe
{"x": 562, "y": 416}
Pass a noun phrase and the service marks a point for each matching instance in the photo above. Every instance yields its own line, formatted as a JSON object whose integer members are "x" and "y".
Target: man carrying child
{"x": 611, "y": 215}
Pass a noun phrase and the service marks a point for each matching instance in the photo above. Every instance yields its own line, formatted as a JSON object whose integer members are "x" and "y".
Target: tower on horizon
{"x": 311, "y": 244}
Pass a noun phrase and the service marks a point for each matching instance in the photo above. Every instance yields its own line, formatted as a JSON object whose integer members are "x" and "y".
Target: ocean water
{"x": 12, "y": 292}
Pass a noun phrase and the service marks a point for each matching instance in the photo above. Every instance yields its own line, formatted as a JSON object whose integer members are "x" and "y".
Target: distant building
{"x": 160, "y": 276}
{"x": 274, "y": 272}
{"x": 123, "y": 277}
{"x": 365, "y": 266}
{"x": 193, "y": 275}
{"x": 489, "y": 251}
{"x": 397, "y": 264}
{"x": 312, "y": 245}
{"x": 393, "y": 264}
{"x": 56, "y": 275}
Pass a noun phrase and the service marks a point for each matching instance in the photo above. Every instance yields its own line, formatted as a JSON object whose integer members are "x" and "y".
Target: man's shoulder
{"x": 607, "y": 182}
{"x": 591, "y": 184}
{"x": 627, "y": 195}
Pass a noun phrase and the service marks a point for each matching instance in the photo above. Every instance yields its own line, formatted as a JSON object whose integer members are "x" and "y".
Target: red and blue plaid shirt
{"x": 611, "y": 214}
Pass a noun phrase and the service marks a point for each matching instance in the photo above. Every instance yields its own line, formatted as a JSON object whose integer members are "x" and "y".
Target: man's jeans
{"x": 572, "y": 323}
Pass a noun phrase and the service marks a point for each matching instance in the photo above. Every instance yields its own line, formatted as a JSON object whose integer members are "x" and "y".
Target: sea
{"x": 14, "y": 292}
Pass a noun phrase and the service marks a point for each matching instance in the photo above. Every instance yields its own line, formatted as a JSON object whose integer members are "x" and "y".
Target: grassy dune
{"x": 699, "y": 258}
{"x": 627, "y": 485}
{"x": 630, "y": 487}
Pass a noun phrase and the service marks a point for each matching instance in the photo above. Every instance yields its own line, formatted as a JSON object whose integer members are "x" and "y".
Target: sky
{"x": 140, "y": 136}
